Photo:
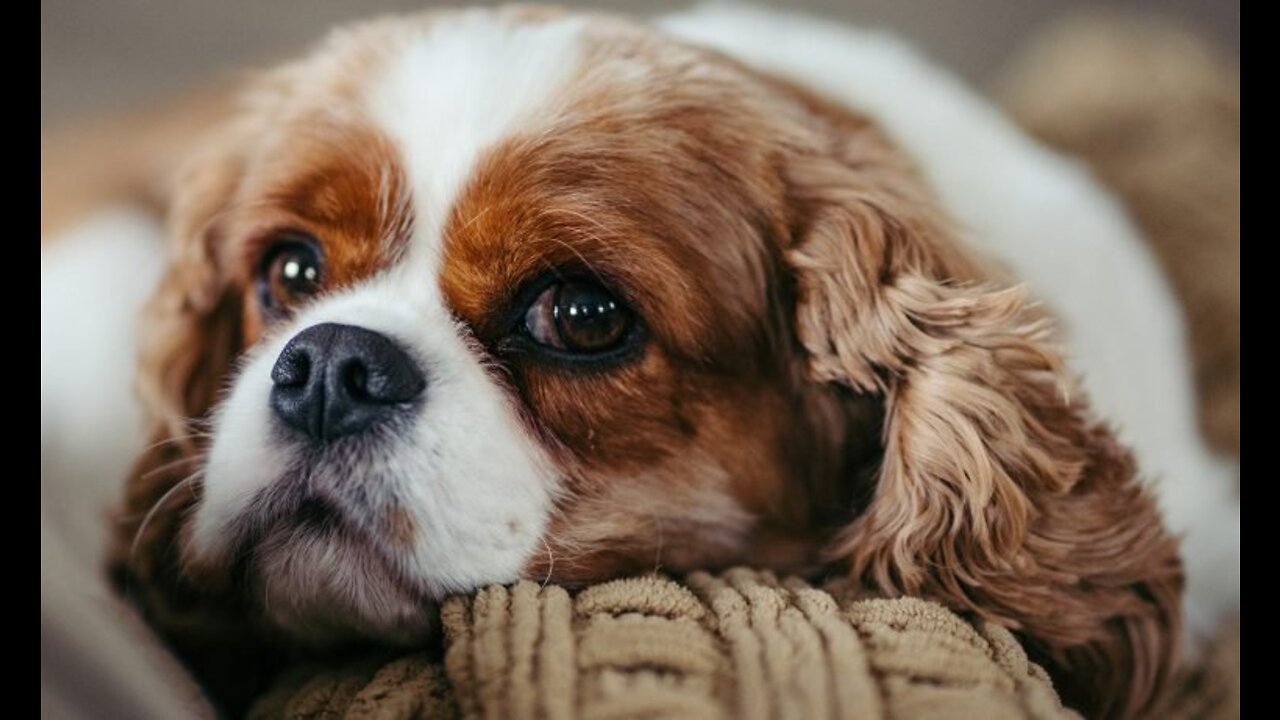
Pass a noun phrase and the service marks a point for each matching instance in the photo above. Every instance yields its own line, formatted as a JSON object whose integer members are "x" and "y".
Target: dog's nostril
{"x": 291, "y": 371}
{"x": 355, "y": 379}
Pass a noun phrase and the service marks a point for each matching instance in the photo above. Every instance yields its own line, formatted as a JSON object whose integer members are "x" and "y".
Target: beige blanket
{"x": 739, "y": 645}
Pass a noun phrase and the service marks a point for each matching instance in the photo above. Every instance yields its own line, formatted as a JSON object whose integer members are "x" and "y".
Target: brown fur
{"x": 827, "y": 378}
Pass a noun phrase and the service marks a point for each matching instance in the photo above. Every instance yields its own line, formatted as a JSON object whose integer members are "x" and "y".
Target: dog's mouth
{"x": 313, "y": 569}
{"x": 352, "y": 540}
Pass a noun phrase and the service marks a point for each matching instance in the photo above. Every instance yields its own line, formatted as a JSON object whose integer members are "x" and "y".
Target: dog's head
{"x": 465, "y": 298}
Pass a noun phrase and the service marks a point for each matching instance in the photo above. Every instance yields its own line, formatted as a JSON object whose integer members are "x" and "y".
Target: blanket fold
{"x": 742, "y": 644}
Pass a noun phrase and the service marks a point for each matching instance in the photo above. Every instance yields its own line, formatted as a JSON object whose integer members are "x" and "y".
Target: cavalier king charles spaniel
{"x": 471, "y": 296}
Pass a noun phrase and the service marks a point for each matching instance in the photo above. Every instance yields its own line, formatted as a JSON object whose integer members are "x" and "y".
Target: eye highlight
{"x": 291, "y": 270}
{"x": 579, "y": 317}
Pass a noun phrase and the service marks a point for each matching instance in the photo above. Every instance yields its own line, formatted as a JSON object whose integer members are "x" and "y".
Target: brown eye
{"x": 291, "y": 271}
{"x": 578, "y": 317}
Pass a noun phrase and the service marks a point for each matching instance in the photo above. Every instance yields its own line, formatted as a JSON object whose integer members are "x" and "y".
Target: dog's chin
{"x": 324, "y": 584}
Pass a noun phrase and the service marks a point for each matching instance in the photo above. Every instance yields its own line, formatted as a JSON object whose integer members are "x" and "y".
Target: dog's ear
{"x": 190, "y": 337}
{"x": 190, "y": 333}
{"x": 192, "y": 329}
{"x": 998, "y": 493}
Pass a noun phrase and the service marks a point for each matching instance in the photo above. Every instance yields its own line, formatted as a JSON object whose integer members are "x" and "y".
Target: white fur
{"x": 466, "y": 472}
{"x": 477, "y": 488}
{"x": 1058, "y": 231}
{"x": 461, "y": 88}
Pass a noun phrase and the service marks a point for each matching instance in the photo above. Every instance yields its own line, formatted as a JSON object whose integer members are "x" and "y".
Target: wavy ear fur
{"x": 998, "y": 494}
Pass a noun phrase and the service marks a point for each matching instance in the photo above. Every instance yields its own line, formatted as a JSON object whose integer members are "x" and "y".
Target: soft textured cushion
{"x": 738, "y": 645}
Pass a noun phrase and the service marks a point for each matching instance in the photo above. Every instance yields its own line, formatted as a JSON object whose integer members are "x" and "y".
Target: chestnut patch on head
{"x": 329, "y": 203}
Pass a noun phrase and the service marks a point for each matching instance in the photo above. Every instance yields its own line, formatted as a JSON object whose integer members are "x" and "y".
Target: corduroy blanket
{"x": 738, "y": 645}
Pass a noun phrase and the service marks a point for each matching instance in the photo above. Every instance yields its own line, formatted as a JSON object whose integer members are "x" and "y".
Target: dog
{"x": 471, "y": 296}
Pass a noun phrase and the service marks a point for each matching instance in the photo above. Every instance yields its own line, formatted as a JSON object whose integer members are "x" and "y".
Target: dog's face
{"x": 481, "y": 296}
{"x": 510, "y": 304}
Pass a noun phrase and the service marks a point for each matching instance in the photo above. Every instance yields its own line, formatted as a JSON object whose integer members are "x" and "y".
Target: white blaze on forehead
{"x": 470, "y": 81}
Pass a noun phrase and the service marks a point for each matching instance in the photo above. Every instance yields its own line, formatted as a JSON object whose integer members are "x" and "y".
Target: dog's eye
{"x": 579, "y": 317}
{"x": 291, "y": 270}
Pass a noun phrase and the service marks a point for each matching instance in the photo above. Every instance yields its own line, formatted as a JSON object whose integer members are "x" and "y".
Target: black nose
{"x": 333, "y": 380}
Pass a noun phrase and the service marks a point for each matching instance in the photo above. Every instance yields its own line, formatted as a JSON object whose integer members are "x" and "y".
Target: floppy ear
{"x": 998, "y": 493}
{"x": 190, "y": 337}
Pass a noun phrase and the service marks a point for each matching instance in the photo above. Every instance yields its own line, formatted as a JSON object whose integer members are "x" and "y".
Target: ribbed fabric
{"x": 737, "y": 645}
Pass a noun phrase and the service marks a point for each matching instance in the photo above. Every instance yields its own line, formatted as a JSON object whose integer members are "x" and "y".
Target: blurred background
{"x": 108, "y": 55}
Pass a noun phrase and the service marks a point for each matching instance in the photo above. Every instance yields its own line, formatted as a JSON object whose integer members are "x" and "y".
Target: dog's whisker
{"x": 172, "y": 464}
{"x": 657, "y": 560}
{"x": 174, "y": 440}
{"x": 146, "y": 520}
{"x": 551, "y": 562}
